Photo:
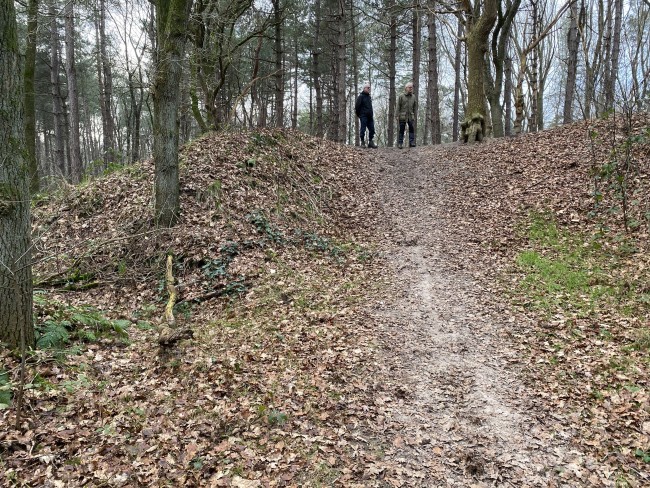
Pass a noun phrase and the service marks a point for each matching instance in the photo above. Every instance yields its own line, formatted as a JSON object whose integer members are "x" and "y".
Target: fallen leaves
{"x": 264, "y": 393}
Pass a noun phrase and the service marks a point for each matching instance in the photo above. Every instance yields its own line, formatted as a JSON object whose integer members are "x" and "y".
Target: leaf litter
{"x": 357, "y": 322}
{"x": 489, "y": 387}
{"x": 270, "y": 261}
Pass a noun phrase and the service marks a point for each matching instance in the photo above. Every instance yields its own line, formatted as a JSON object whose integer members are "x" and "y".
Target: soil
{"x": 461, "y": 414}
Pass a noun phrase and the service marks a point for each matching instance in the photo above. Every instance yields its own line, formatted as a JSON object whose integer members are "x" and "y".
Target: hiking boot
{"x": 400, "y": 146}
{"x": 372, "y": 145}
{"x": 411, "y": 145}
{"x": 362, "y": 145}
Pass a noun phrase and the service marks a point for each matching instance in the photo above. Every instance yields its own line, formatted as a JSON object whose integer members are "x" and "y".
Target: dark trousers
{"x": 402, "y": 127}
{"x": 369, "y": 123}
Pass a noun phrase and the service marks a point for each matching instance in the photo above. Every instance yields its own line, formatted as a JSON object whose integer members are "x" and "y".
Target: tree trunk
{"x": 507, "y": 97}
{"x": 607, "y": 85}
{"x": 16, "y": 323}
{"x": 573, "y": 42}
{"x": 417, "y": 40}
{"x": 318, "y": 89}
{"x": 136, "y": 110}
{"x": 171, "y": 33}
{"x": 255, "y": 98}
{"x": 57, "y": 102}
{"x": 533, "y": 74}
{"x": 457, "y": 79}
{"x": 76, "y": 167}
{"x": 433, "y": 96}
{"x": 294, "y": 110}
{"x": 494, "y": 86}
{"x": 392, "y": 73}
{"x": 279, "y": 74}
{"x": 610, "y": 93}
{"x": 30, "y": 108}
{"x": 538, "y": 34}
{"x": 105, "y": 79}
{"x": 546, "y": 62}
{"x": 341, "y": 83}
{"x": 592, "y": 65}
{"x": 355, "y": 69}
{"x": 479, "y": 27}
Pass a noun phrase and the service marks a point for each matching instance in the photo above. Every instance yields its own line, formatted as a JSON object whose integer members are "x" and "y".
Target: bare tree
{"x": 494, "y": 84}
{"x": 417, "y": 41}
{"x": 30, "y": 107}
{"x": 55, "y": 90}
{"x": 355, "y": 68}
{"x": 457, "y": 79}
{"x": 478, "y": 24}
{"x": 279, "y": 70}
{"x": 316, "y": 68}
{"x": 105, "y": 80}
{"x": 171, "y": 33}
{"x": 573, "y": 43}
{"x": 611, "y": 74}
{"x": 592, "y": 40}
{"x": 76, "y": 166}
{"x": 535, "y": 39}
{"x": 340, "y": 70}
{"x": 433, "y": 97}
{"x": 392, "y": 70}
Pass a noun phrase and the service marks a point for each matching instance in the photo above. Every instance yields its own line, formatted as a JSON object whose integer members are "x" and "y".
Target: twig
{"x": 93, "y": 248}
{"x": 169, "y": 277}
{"x": 21, "y": 382}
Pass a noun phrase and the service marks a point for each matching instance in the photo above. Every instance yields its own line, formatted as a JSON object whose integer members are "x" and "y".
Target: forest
{"x": 90, "y": 68}
{"x": 207, "y": 280}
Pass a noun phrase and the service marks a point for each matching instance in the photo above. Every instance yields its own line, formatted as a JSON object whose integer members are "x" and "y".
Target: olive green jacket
{"x": 406, "y": 107}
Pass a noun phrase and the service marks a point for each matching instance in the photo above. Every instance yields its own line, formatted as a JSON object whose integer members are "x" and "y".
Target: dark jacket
{"x": 363, "y": 105}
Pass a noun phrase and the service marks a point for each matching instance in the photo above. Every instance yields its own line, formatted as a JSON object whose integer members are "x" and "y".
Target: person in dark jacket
{"x": 363, "y": 109}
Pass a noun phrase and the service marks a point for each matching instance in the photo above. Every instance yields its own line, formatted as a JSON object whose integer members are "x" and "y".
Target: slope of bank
{"x": 271, "y": 257}
{"x": 554, "y": 229}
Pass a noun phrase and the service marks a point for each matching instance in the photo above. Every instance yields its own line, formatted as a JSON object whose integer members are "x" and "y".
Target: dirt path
{"x": 461, "y": 414}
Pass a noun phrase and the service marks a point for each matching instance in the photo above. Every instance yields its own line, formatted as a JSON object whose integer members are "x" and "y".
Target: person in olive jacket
{"x": 363, "y": 109}
{"x": 406, "y": 108}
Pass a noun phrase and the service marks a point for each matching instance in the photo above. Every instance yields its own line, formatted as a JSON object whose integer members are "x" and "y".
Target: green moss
{"x": 566, "y": 270}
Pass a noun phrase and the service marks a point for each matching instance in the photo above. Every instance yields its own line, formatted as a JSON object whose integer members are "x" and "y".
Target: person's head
{"x": 409, "y": 87}
{"x": 366, "y": 88}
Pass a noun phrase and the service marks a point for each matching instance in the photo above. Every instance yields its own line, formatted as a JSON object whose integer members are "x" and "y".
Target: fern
{"x": 53, "y": 335}
{"x": 5, "y": 390}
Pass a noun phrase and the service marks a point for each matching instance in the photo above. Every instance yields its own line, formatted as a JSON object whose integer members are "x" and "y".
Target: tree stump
{"x": 473, "y": 128}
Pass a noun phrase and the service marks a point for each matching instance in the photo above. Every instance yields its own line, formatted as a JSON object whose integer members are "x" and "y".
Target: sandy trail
{"x": 461, "y": 414}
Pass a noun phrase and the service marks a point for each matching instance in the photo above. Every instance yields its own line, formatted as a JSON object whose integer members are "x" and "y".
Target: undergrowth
{"x": 578, "y": 273}
{"x": 59, "y": 325}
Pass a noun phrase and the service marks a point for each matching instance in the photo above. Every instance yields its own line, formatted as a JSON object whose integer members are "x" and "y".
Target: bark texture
{"x": 457, "y": 66}
{"x": 612, "y": 78}
{"x": 479, "y": 25}
{"x": 55, "y": 87}
{"x": 433, "y": 96}
{"x": 573, "y": 43}
{"x": 494, "y": 85}
{"x": 76, "y": 166}
{"x": 30, "y": 108}
{"x": 316, "y": 69}
{"x": 16, "y": 326}
{"x": 341, "y": 68}
{"x": 172, "y": 17}
{"x": 279, "y": 74}
{"x": 105, "y": 78}
{"x": 417, "y": 54}
{"x": 392, "y": 72}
